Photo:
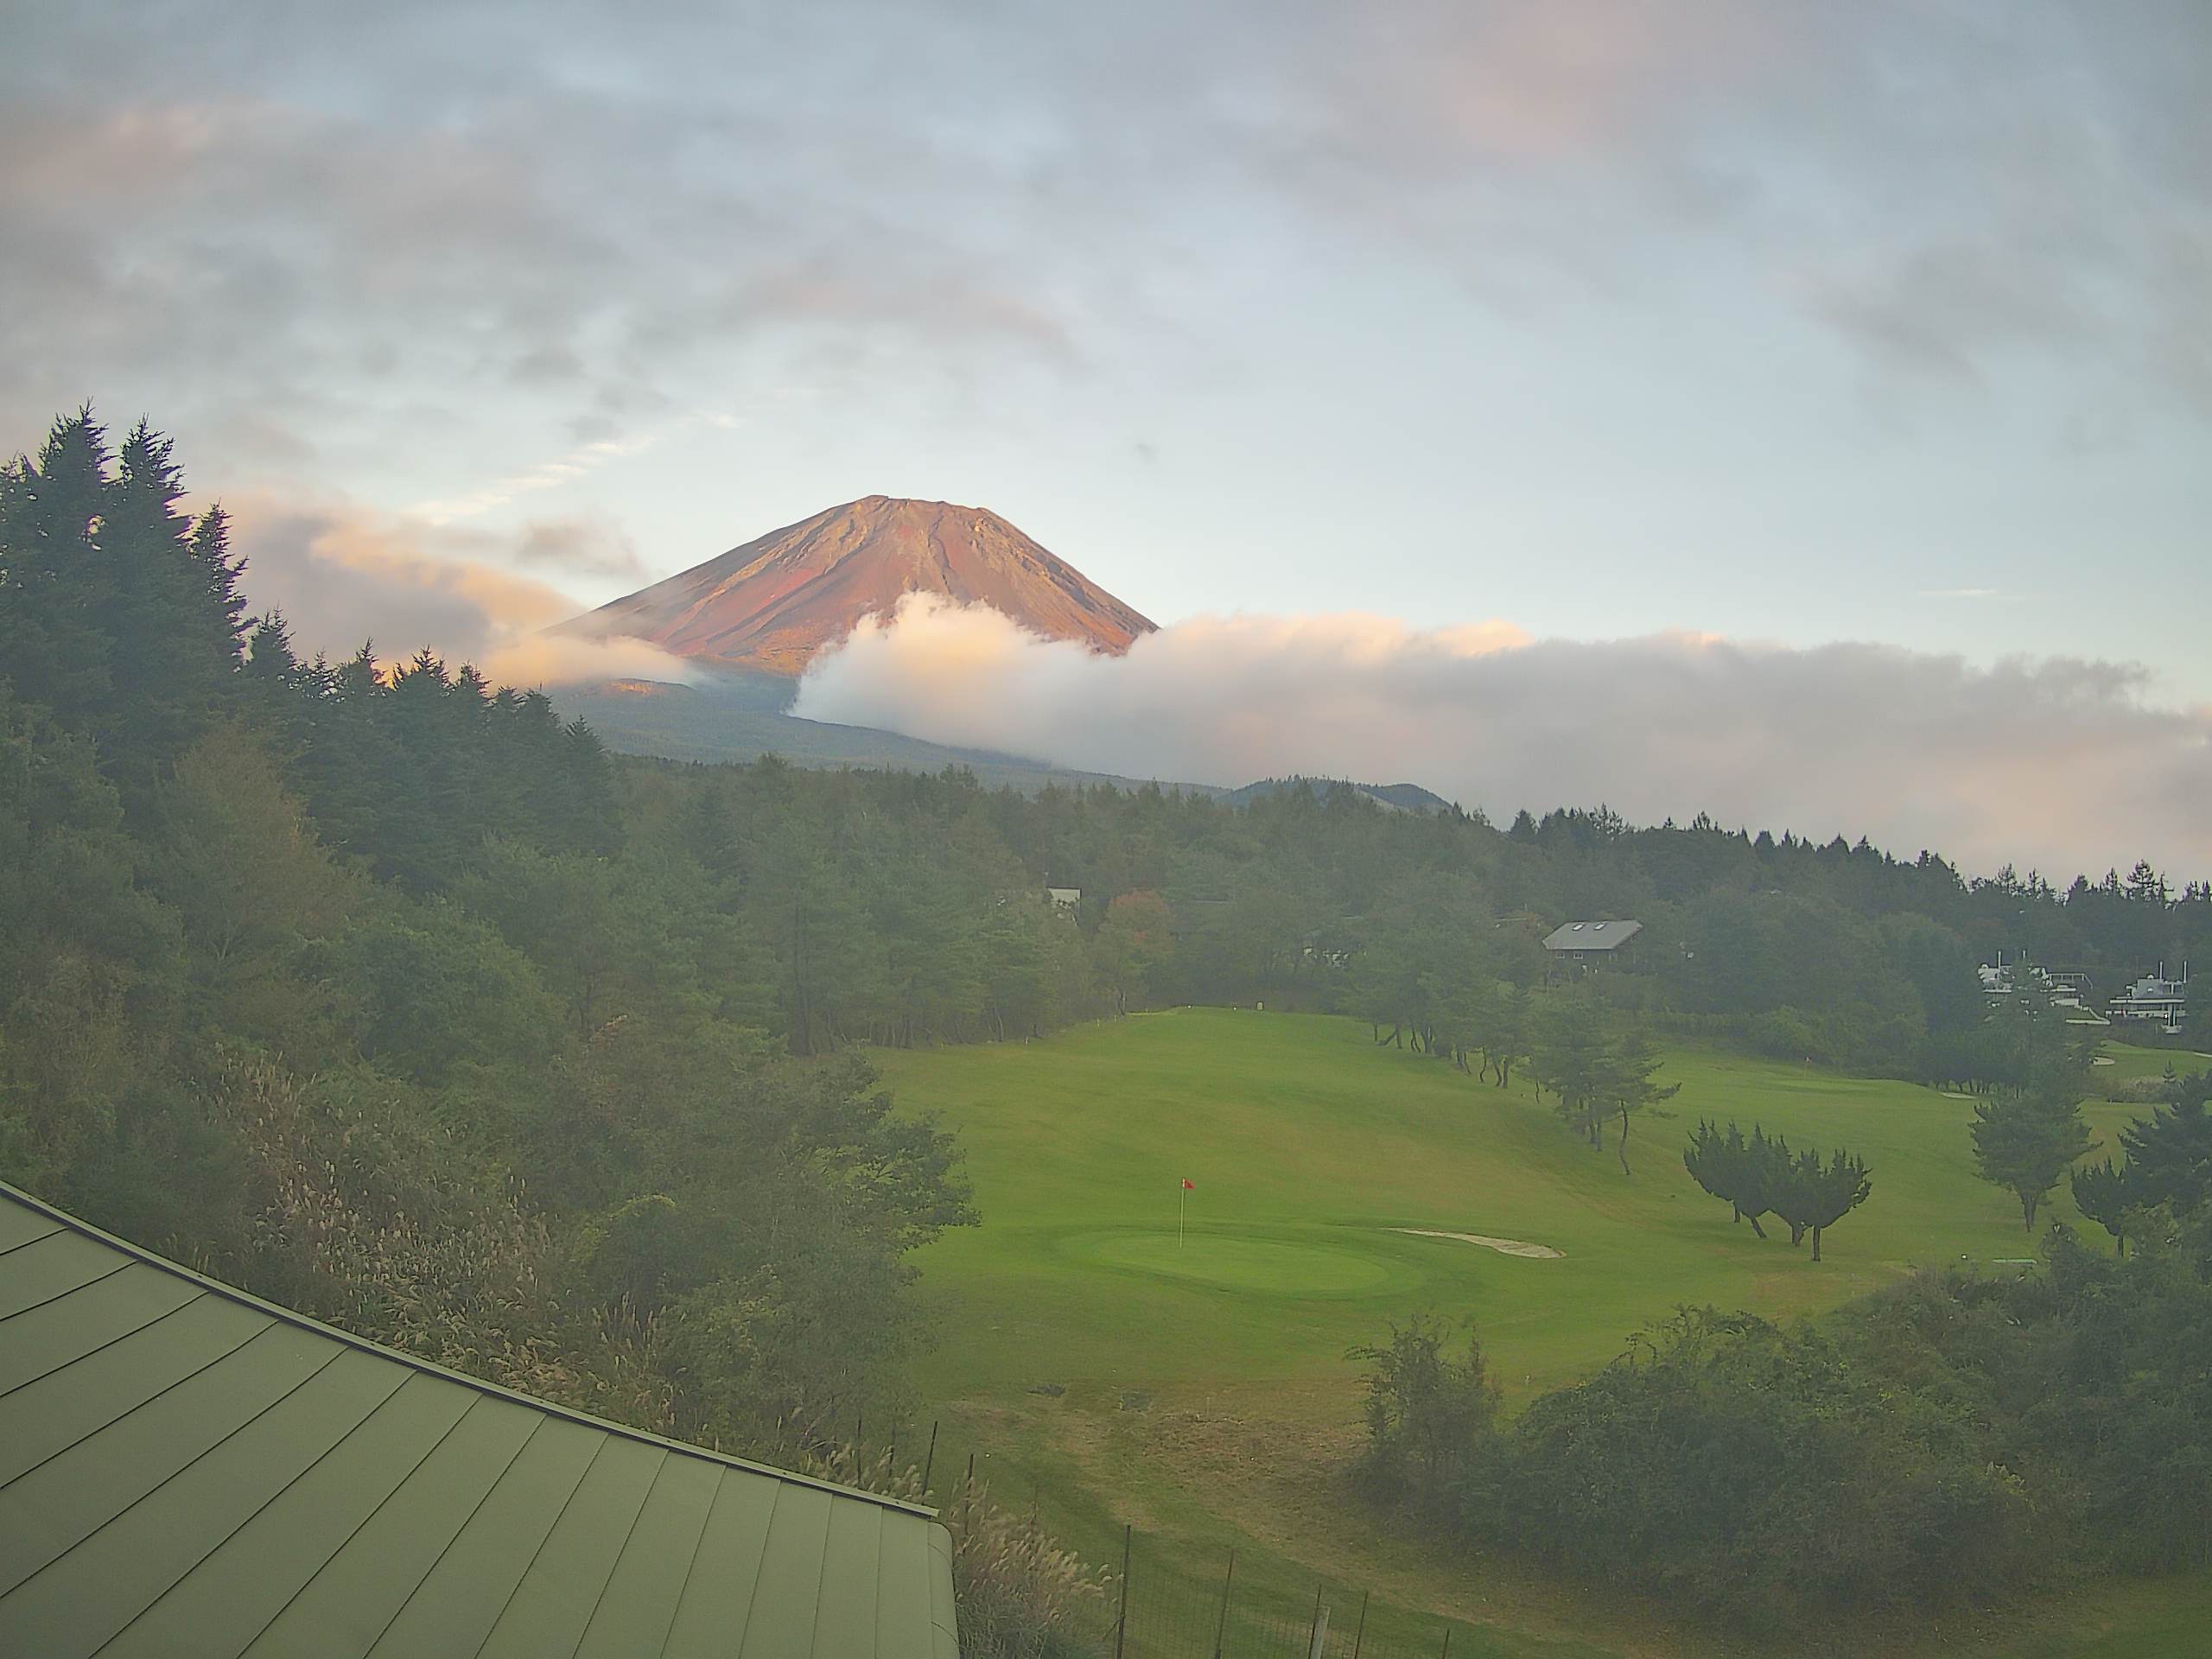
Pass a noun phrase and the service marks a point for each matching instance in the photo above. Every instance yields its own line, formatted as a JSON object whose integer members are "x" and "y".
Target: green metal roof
{"x": 186, "y": 1471}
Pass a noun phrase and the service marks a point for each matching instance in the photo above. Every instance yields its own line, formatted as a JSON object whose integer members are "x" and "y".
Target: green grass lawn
{"x": 1109, "y": 1370}
{"x": 2130, "y": 1063}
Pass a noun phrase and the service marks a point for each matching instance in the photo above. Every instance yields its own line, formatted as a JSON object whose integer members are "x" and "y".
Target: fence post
{"x": 1359, "y": 1634}
{"x": 930, "y": 1462}
{"x": 1448, "y": 1642}
{"x": 1314, "y": 1629}
{"x": 1320, "y": 1638}
{"x": 1121, "y": 1618}
{"x": 1221, "y": 1624}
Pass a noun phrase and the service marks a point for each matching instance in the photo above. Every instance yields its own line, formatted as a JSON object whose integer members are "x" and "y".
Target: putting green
{"x": 1270, "y": 1267}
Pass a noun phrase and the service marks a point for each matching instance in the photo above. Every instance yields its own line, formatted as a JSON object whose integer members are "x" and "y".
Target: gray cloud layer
{"x": 2059, "y": 764}
{"x": 428, "y": 204}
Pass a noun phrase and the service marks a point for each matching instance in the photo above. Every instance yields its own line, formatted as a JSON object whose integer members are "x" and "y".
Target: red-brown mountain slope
{"x": 772, "y": 604}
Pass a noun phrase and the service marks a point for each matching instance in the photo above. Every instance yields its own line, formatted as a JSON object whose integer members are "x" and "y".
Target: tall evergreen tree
{"x": 56, "y": 581}
{"x": 2169, "y": 1152}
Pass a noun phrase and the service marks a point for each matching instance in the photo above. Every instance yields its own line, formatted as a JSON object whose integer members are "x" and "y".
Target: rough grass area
{"x": 1108, "y": 1370}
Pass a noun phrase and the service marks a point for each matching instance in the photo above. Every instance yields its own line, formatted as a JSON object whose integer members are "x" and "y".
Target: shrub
{"x": 1431, "y": 1417}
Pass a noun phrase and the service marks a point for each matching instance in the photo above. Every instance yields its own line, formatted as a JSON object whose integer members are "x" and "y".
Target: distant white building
{"x": 1067, "y": 898}
{"x": 2001, "y": 979}
{"x": 2155, "y": 1000}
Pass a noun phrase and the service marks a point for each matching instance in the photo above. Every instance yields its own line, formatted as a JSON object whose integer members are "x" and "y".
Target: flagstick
{"x": 1182, "y": 1197}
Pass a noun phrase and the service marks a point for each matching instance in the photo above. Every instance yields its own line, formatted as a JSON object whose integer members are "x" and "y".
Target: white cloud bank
{"x": 342, "y": 575}
{"x": 2060, "y": 764}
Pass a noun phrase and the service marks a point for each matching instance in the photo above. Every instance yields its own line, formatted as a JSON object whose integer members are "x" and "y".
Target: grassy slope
{"x": 2129, "y": 1064}
{"x": 1201, "y": 1386}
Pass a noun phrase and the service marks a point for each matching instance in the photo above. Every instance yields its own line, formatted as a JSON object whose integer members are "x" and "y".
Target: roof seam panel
{"x": 136, "y": 1405}
{"x": 247, "y": 1520}
{"x": 482, "y": 1497}
{"x": 306, "y": 1583}
{"x": 99, "y": 1347}
{"x": 531, "y": 1566}
{"x": 660, "y": 1473}
{"x": 22, "y": 1243}
{"x": 48, "y": 1301}
{"x": 194, "y": 1461}
{"x": 365, "y": 1523}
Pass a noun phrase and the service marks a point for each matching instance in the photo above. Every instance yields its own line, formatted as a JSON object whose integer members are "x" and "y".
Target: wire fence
{"x": 1162, "y": 1607}
{"x": 1159, "y": 1602}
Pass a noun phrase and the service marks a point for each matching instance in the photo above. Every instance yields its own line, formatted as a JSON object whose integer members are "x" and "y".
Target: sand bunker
{"x": 1503, "y": 1246}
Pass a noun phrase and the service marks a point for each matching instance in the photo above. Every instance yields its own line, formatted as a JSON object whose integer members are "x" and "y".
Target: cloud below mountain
{"x": 2060, "y": 763}
{"x": 342, "y": 575}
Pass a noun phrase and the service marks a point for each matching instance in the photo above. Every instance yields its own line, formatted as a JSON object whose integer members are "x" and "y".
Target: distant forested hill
{"x": 743, "y": 718}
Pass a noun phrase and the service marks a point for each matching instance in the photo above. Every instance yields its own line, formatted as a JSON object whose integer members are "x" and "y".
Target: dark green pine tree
{"x": 589, "y": 821}
{"x": 56, "y": 584}
{"x": 2106, "y": 1192}
{"x": 2024, "y": 1143}
{"x": 1628, "y": 1084}
{"x": 1759, "y": 1179}
{"x": 2169, "y": 1152}
{"x": 172, "y": 618}
{"x": 1573, "y": 1059}
{"x": 352, "y": 768}
{"x": 281, "y": 691}
{"x": 1816, "y": 1195}
{"x": 1752, "y": 1177}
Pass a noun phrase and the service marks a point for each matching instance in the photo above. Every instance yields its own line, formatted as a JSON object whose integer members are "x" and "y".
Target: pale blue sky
{"x": 1780, "y": 321}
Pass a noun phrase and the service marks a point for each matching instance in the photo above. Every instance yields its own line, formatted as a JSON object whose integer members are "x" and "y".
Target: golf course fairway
{"x": 1106, "y": 1361}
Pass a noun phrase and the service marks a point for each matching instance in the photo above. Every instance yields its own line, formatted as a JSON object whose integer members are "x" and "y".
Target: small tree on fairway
{"x": 2025, "y": 1143}
{"x": 1706, "y": 1160}
{"x": 1628, "y": 1082}
{"x": 1765, "y": 1163}
{"x": 1507, "y": 1044}
{"x": 1573, "y": 1059}
{"x": 2105, "y": 1193}
{"x": 1739, "y": 1172}
{"x": 1816, "y": 1195}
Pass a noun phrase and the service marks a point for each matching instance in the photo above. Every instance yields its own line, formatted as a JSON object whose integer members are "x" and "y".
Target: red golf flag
{"x": 1187, "y": 1187}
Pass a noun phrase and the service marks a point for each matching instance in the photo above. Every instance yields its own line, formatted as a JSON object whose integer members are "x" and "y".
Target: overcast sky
{"x": 1785, "y": 322}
